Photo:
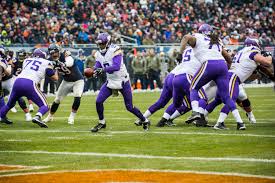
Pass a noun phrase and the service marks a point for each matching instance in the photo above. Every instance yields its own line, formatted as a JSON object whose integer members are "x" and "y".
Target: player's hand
{"x": 266, "y": 53}
{"x": 98, "y": 72}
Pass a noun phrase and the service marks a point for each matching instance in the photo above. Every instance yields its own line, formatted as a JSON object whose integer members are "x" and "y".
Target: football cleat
{"x": 49, "y": 118}
{"x": 37, "y": 120}
{"x": 241, "y": 126}
{"x": 251, "y": 118}
{"x": 28, "y": 117}
{"x": 162, "y": 122}
{"x": 193, "y": 117}
{"x": 6, "y": 120}
{"x": 146, "y": 125}
{"x": 31, "y": 109}
{"x": 13, "y": 110}
{"x": 170, "y": 123}
{"x": 138, "y": 122}
{"x": 220, "y": 126}
{"x": 98, "y": 127}
{"x": 71, "y": 120}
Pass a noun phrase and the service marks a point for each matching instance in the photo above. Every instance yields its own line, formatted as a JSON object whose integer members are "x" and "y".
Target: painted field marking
{"x": 139, "y": 132}
{"x": 144, "y": 170}
{"x": 145, "y": 156}
{"x": 16, "y": 140}
{"x": 20, "y": 168}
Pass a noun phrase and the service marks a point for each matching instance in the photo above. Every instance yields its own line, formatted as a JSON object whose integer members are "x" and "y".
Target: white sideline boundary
{"x": 115, "y": 155}
{"x": 138, "y": 132}
{"x": 146, "y": 170}
{"x": 21, "y": 168}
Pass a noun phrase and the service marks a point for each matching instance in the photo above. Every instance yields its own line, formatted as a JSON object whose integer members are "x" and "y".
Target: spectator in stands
{"x": 5, "y": 38}
{"x": 139, "y": 68}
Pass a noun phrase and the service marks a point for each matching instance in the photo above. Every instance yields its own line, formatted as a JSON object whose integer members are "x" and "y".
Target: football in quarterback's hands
{"x": 89, "y": 72}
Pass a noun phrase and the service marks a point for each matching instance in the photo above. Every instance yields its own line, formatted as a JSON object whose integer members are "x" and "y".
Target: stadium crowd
{"x": 147, "y": 21}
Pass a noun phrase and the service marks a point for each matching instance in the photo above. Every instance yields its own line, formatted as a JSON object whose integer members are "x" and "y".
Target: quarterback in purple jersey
{"x": 209, "y": 51}
{"x": 109, "y": 59}
{"x": 34, "y": 70}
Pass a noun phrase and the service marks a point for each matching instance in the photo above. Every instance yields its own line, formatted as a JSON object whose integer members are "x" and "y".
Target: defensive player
{"x": 8, "y": 80}
{"x": 246, "y": 62}
{"x": 34, "y": 70}
{"x": 72, "y": 81}
{"x": 213, "y": 57}
{"x": 109, "y": 59}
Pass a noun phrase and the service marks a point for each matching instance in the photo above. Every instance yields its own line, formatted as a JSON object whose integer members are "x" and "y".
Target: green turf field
{"x": 124, "y": 146}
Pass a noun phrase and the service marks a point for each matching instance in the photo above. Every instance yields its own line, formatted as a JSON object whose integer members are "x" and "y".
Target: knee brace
{"x": 76, "y": 103}
{"x": 54, "y": 107}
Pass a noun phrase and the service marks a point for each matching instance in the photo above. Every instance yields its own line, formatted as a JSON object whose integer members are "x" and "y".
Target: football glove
{"x": 266, "y": 53}
{"x": 98, "y": 72}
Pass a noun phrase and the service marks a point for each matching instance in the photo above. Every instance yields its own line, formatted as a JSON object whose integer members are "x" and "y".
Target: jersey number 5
{"x": 35, "y": 64}
{"x": 187, "y": 56}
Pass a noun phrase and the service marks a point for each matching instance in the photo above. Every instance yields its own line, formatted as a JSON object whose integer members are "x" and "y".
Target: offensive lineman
{"x": 72, "y": 80}
{"x": 247, "y": 61}
{"x": 34, "y": 70}
{"x": 8, "y": 80}
{"x": 109, "y": 59}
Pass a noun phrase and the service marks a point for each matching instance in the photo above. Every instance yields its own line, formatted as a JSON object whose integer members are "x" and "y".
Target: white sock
{"x": 72, "y": 114}
{"x": 249, "y": 114}
{"x": 237, "y": 116}
{"x": 195, "y": 106}
{"x": 38, "y": 114}
{"x": 222, "y": 117}
{"x": 175, "y": 115}
{"x": 166, "y": 116}
{"x": 102, "y": 121}
{"x": 201, "y": 110}
{"x": 147, "y": 114}
{"x": 206, "y": 112}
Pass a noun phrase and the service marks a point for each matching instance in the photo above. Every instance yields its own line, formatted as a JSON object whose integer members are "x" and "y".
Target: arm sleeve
{"x": 69, "y": 61}
{"x": 50, "y": 72}
{"x": 116, "y": 64}
{"x": 97, "y": 65}
{"x": 252, "y": 55}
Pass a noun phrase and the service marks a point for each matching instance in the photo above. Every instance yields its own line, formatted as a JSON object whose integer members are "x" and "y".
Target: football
{"x": 89, "y": 72}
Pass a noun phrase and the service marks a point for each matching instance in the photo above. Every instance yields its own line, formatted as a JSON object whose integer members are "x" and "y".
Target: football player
{"x": 214, "y": 58}
{"x": 34, "y": 70}
{"x": 72, "y": 81}
{"x": 8, "y": 80}
{"x": 246, "y": 62}
{"x": 109, "y": 59}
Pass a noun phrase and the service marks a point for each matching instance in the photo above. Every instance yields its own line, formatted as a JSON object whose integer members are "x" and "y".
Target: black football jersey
{"x": 70, "y": 74}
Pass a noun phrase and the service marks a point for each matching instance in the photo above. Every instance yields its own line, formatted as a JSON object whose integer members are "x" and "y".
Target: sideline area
{"x": 140, "y": 176}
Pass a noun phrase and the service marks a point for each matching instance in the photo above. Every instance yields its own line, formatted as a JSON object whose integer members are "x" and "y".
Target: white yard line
{"x": 16, "y": 140}
{"x": 143, "y": 170}
{"x": 140, "y": 132}
{"x": 145, "y": 156}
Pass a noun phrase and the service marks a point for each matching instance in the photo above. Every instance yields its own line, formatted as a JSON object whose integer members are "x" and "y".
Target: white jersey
{"x": 189, "y": 63}
{"x": 244, "y": 65}
{"x": 35, "y": 69}
{"x": 114, "y": 79}
{"x": 203, "y": 51}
